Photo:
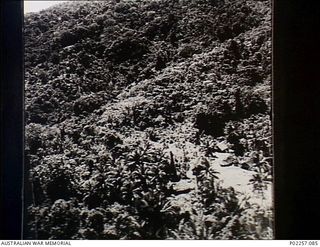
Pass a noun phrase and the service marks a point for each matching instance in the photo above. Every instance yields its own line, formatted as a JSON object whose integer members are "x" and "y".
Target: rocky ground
{"x": 149, "y": 120}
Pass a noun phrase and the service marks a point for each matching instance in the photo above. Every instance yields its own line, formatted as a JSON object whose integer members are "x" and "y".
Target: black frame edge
{"x": 11, "y": 120}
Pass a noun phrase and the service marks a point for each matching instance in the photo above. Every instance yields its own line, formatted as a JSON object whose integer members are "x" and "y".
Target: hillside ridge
{"x": 138, "y": 114}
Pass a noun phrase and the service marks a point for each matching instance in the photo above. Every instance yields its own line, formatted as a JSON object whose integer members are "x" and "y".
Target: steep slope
{"x": 130, "y": 107}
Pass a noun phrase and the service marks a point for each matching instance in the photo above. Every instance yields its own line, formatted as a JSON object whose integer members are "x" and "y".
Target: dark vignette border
{"x": 11, "y": 119}
{"x": 296, "y": 91}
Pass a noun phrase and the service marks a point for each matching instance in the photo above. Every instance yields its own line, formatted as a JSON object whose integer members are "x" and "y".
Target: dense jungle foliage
{"x": 128, "y": 103}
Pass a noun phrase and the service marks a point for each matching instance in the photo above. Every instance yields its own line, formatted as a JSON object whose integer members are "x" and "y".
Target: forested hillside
{"x": 134, "y": 110}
